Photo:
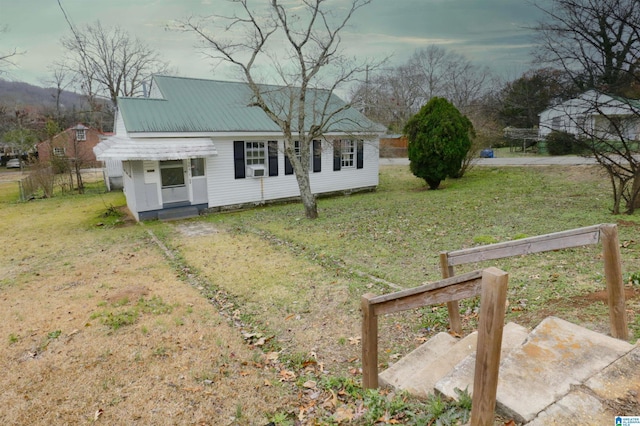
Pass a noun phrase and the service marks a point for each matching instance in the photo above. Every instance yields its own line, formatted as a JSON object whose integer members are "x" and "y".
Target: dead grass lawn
{"x": 63, "y": 280}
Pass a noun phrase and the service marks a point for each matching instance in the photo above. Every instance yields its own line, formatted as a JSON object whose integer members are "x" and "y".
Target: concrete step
{"x": 401, "y": 373}
{"x": 178, "y": 213}
{"x": 420, "y": 370}
{"x": 556, "y": 357}
{"x": 462, "y": 374}
{"x": 614, "y": 391}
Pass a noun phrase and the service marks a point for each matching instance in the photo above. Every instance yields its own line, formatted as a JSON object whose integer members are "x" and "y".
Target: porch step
{"x": 461, "y": 375}
{"x": 557, "y": 357}
{"x": 419, "y": 377}
{"x": 612, "y": 392}
{"x": 178, "y": 213}
{"x": 557, "y": 374}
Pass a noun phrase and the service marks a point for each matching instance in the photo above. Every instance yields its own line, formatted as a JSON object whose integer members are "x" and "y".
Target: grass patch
{"x": 121, "y": 315}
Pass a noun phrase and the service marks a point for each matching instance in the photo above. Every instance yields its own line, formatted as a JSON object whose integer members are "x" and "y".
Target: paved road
{"x": 512, "y": 161}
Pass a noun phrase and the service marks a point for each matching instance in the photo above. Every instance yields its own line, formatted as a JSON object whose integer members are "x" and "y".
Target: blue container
{"x": 486, "y": 153}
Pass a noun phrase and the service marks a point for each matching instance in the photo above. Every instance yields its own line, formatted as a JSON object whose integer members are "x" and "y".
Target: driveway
{"x": 567, "y": 160}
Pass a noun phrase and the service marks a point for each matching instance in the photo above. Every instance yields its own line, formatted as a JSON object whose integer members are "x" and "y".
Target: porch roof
{"x": 123, "y": 148}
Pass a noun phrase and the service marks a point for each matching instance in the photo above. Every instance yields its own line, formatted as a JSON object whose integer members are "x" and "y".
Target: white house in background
{"x": 593, "y": 114}
{"x": 198, "y": 144}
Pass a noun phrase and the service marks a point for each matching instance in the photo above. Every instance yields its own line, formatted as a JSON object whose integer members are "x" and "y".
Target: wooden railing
{"x": 491, "y": 285}
{"x": 605, "y": 233}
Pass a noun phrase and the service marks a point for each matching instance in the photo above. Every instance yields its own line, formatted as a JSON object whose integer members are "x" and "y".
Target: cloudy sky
{"x": 488, "y": 32}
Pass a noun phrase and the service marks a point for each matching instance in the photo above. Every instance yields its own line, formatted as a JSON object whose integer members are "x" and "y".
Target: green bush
{"x": 562, "y": 143}
{"x": 439, "y": 139}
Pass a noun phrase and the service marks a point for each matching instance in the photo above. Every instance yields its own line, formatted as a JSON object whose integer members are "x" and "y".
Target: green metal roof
{"x": 197, "y": 105}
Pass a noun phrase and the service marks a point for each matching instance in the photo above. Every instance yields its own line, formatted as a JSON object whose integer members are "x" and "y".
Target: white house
{"x": 198, "y": 144}
{"x": 593, "y": 114}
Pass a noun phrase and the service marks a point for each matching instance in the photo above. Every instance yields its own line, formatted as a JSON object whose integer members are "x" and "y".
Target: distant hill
{"x": 14, "y": 93}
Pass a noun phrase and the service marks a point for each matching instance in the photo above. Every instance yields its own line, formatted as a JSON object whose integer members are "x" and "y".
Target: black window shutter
{"x": 273, "y": 157}
{"x": 317, "y": 156}
{"x": 337, "y": 155}
{"x": 360, "y": 155}
{"x": 288, "y": 167}
{"x": 238, "y": 159}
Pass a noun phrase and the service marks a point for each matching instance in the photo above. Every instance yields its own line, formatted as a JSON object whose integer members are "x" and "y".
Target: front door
{"x": 173, "y": 174}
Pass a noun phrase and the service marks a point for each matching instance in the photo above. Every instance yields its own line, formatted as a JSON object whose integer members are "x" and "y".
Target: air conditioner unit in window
{"x": 255, "y": 171}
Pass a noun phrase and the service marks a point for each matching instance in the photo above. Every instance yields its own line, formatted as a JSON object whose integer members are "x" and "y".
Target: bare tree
{"x": 597, "y": 43}
{"x": 309, "y": 71}
{"x": 390, "y": 98}
{"x": 108, "y": 62}
{"x": 5, "y": 56}
{"x": 60, "y": 80}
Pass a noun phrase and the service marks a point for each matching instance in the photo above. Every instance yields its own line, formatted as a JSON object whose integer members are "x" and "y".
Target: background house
{"x": 74, "y": 143}
{"x": 593, "y": 114}
{"x": 198, "y": 144}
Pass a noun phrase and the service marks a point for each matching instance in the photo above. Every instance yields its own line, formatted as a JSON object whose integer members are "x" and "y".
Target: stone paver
{"x": 462, "y": 375}
{"x": 556, "y": 356}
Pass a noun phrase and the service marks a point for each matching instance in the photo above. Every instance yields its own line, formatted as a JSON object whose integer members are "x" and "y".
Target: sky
{"x": 488, "y": 32}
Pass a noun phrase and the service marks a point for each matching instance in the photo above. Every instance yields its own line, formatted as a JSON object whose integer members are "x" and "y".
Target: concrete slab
{"x": 461, "y": 376}
{"x": 577, "y": 408}
{"x": 619, "y": 384}
{"x": 400, "y": 373}
{"x": 556, "y": 356}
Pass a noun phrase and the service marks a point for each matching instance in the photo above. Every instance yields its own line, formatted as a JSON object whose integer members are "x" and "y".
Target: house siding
{"x": 144, "y": 194}
{"x": 578, "y": 114}
{"x": 226, "y": 190}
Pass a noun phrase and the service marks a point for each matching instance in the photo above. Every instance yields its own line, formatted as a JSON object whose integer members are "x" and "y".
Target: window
{"x": 254, "y": 153}
{"x": 197, "y": 167}
{"x": 81, "y": 135}
{"x": 255, "y": 159}
{"x": 556, "y": 123}
{"x": 172, "y": 173}
{"x": 347, "y": 153}
{"x": 58, "y": 151}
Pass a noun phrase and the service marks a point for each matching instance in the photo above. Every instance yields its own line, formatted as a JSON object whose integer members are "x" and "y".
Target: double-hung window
{"x": 347, "y": 153}
{"x": 255, "y": 158}
{"x": 81, "y": 135}
{"x": 254, "y": 153}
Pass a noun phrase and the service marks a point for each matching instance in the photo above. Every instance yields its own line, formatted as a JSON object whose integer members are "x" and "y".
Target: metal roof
{"x": 123, "y": 148}
{"x": 198, "y": 105}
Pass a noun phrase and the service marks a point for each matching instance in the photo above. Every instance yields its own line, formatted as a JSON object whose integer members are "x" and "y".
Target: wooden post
{"x": 615, "y": 285}
{"x": 369, "y": 343}
{"x": 454, "y": 310}
{"x": 492, "y": 310}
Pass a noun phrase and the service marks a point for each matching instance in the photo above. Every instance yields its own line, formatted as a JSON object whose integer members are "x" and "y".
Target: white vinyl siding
{"x": 225, "y": 190}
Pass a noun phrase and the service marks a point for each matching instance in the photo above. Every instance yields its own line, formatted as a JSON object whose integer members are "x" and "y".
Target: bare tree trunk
{"x": 79, "y": 178}
{"x": 308, "y": 198}
{"x": 634, "y": 199}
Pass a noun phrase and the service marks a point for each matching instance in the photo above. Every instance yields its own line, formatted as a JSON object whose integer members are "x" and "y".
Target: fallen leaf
{"x": 354, "y": 340}
{"x": 310, "y": 384}
{"x": 287, "y": 376}
{"x": 289, "y": 317}
{"x": 343, "y": 414}
{"x": 510, "y": 423}
{"x": 98, "y": 413}
{"x": 272, "y": 357}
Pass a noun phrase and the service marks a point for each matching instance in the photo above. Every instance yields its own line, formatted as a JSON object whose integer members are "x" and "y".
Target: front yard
{"x": 253, "y": 317}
